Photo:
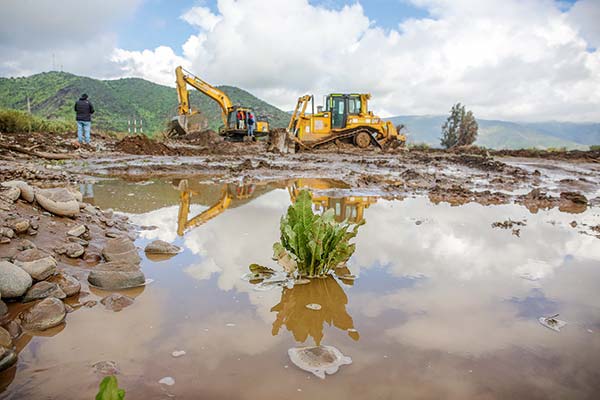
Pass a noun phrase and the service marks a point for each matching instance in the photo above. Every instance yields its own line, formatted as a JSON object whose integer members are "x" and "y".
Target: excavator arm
{"x": 183, "y": 223}
{"x": 184, "y": 78}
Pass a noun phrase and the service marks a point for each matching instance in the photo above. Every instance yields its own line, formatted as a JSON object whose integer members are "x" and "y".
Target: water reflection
{"x": 350, "y": 208}
{"x": 303, "y": 322}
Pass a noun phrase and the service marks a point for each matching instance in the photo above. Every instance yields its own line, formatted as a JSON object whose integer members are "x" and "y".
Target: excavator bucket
{"x": 178, "y": 126}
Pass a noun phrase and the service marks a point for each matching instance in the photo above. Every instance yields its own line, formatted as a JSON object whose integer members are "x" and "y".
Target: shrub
{"x": 317, "y": 243}
{"x": 14, "y": 121}
{"x": 419, "y": 146}
{"x": 595, "y": 147}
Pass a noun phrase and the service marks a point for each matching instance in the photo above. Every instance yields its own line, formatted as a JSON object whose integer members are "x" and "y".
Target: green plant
{"x": 109, "y": 389}
{"x": 14, "y": 121}
{"x": 595, "y": 147}
{"x": 317, "y": 243}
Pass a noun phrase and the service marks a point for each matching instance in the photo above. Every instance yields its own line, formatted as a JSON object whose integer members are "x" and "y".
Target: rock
{"x": 77, "y": 231}
{"x": 67, "y": 283}
{"x": 68, "y": 309}
{"x": 10, "y": 193}
{"x": 7, "y": 232}
{"x": 106, "y": 368}
{"x": 575, "y": 197}
{"x": 46, "y": 314}
{"x": 27, "y": 192}
{"x": 72, "y": 250}
{"x": 161, "y": 247}
{"x": 58, "y": 201}
{"x": 43, "y": 289}
{"x": 14, "y": 281}
{"x": 4, "y": 240}
{"x": 13, "y": 328}
{"x": 90, "y": 303}
{"x": 19, "y": 225}
{"x": 116, "y": 275}
{"x": 3, "y": 309}
{"x": 113, "y": 233}
{"x": 121, "y": 249}
{"x": 167, "y": 380}
{"x": 116, "y": 302}
{"x": 80, "y": 241}
{"x": 8, "y": 358}
{"x": 35, "y": 262}
{"x": 318, "y": 360}
{"x": 26, "y": 245}
{"x": 5, "y": 338}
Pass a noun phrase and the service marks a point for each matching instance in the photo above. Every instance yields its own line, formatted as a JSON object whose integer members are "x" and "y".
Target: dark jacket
{"x": 84, "y": 110}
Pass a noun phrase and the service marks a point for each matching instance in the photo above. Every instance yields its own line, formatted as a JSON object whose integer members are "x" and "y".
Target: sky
{"x": 523, "y": 60}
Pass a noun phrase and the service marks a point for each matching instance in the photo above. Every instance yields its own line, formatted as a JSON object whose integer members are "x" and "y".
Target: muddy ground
{"x": 533, "y": 178}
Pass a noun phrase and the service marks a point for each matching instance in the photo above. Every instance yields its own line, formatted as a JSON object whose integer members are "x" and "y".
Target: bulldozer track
{"x": 343, "y": 135}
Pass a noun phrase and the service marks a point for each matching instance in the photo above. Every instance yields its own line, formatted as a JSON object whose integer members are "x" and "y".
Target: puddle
{"x": 434, "y": 303}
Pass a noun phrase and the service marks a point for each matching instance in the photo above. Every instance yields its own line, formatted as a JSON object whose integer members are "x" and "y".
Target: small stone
{"x": 58, "y": 201}
{"x": 46, "y": 314}
{"x": 122, "y": 250}
{"x": 7, "y": 232}
{"x": 116, "y": 302}
{"x": 8, "y": 358}
{"x": 32, "y": 232}
{"x": 77, "y": 231}
{"x": 4, "y": 240}
{"x": 3, "y": 309}
{"x": 20, "y": 225}
{"x": 90, "y": 303}
{"x": 36, "y": 263}
{"x": 5, "y": 338}
{"x": 68, "y": 309}
{"x": 161, "y": 247}
{"x": 42, "y": 290}
{"x": 67, "y": 283}
{"x": 26, "y": 245}
{"x": 106, "y": 368}
{"x": 13, "y": 328}
{"x": 167, "y": 380}
{"x": 10, "y": 193}
{"x": 78, "y": 240}
{"x": 26, "y": 191}
{"x": 71, "y": 250}
{"x": 178, "y": 353}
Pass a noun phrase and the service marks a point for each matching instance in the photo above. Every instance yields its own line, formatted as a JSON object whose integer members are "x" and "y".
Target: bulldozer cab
{"x": 340, "y": 106}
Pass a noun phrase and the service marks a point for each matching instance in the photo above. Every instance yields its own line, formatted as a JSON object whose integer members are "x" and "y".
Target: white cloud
{"x": 509, "y": 59}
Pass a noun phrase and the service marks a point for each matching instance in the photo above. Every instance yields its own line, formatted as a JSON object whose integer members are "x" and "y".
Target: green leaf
{"x": 109, "y": 389}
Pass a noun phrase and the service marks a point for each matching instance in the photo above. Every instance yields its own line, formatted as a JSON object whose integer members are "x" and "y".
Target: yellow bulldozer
{"x": 344, "y": 117}
{"x": 233, "y": 128}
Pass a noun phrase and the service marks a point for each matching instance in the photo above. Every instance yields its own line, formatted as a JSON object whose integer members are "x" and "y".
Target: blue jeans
{"x": 84, "y": 126}
{"x": 251, "y": 130}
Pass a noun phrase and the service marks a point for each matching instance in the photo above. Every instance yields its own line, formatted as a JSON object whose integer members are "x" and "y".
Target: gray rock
{"x": 72, "y": 250}
{"x": 3, "y": 309}
{"x": 121, "y": 249}
{"x": 58, "y": 201}
{"x": 8, "y": 358}
{"x": 161, "y": 247}
{"x": 46, "y": 314}
{"x": 116, "y": 302}
{"x": 67, "y": 283}
{"x": 35, "y": 262}
{"x": 19, "y": 225}
{"x": 5, "y": 338}
{"x": 27, "y": 192}
{"x": 7, "y": 232}
{"x": 26, "y": 245}
{"x": 77, "y": 231}
{"x": 116, "y": 275}
{"x": 14, "y": 282}
{"x": 13, "y": 328}
{"x": 318, "y": 359}
{"x": 43, "y": 289}
{"x": 10, "y": 193}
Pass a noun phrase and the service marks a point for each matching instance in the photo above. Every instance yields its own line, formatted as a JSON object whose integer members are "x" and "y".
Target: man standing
{"x": 250, "y": 124}
{"x": 84, "y": 110}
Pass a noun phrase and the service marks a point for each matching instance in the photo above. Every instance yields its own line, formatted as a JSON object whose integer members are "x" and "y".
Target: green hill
{"x": 506, "y": 134}
{"x": 52, "y": 95}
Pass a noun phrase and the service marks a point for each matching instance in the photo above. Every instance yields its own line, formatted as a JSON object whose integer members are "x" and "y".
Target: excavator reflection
{"x": 349, "y": 208}
{"x": 304, "y": 322}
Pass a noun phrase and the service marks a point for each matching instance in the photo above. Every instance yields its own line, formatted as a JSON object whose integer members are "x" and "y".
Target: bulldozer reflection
{"x": 303, "y": 322}
{"x": 349, "y": 208}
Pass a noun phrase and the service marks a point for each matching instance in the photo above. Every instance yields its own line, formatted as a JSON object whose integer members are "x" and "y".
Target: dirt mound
{"x": 140, "y": 144}
{"x": 202, "y": 138}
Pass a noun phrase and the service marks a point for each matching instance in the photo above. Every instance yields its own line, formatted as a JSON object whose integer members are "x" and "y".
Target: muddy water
{"x": 444, "y": 306}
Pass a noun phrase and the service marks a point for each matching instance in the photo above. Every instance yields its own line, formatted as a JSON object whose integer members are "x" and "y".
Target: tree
{"x": 460, "y": 129}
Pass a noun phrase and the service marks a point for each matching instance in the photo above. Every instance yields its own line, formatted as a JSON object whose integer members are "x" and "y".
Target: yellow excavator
{"x": 349, "y": 208}
{"x": 233, "y": 128}
{"x": 344, "y": 117}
